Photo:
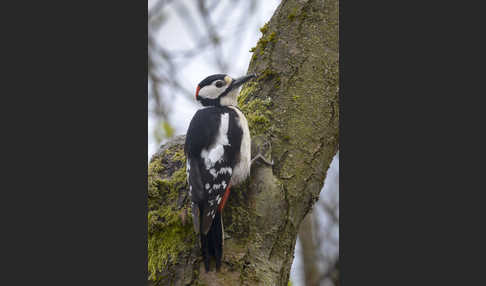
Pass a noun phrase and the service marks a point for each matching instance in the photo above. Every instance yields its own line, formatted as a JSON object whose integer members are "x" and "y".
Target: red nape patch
{"x": 225, "y": 198}
{"x": 197, "y": 91}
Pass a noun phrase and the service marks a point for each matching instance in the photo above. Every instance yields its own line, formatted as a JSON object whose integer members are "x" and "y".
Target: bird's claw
{"x": 259, "y": 156}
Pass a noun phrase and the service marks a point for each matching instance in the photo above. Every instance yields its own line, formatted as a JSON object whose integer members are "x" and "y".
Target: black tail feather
{"x": 212, "y": 242}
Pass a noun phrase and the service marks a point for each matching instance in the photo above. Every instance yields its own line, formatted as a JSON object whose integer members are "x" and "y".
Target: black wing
{"x": 210, "y": 162}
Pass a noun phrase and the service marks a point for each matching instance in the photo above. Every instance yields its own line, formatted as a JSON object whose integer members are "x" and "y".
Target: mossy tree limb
{"x": 292, "y": 109}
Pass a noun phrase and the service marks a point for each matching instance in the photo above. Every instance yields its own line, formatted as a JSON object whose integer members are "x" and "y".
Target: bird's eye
{"x": 219, "y": 84}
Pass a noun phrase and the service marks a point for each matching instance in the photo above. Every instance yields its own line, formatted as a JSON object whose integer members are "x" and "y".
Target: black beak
{"x": 241, "y": 80}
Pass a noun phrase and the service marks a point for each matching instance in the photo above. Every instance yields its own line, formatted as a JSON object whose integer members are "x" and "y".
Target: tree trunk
{"x": 308, "y": 251}
{"x": 293, "y": 113}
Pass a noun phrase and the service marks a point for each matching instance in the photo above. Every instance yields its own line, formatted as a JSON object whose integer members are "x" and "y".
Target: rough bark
{"x": 308, "y": 251}
{"x": 292, "y": 109}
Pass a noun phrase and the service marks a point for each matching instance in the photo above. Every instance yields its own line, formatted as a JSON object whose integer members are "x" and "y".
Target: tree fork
{"x": 293, "y": 113}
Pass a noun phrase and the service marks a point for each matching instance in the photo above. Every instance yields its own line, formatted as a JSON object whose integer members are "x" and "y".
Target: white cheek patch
{"x": 211, "y": 91}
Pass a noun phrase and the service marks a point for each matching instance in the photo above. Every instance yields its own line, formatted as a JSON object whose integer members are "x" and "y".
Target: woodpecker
{"x": 218, "y": 153}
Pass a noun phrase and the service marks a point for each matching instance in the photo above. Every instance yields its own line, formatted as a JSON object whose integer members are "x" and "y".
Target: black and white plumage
{"x": 218, "y": 156}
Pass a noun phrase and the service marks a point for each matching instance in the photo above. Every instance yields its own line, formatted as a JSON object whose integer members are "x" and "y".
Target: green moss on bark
{"x": 165, "y": 246}
{"x": 263, "y": 41}
{"x": 256, "y": 110}
{"x": 168, "y": 238}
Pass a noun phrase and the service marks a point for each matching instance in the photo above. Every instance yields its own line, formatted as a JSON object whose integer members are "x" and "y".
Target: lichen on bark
{"x": 292, "y": 109}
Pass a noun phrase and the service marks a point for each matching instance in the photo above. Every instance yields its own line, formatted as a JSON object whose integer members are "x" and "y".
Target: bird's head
{"x": 220, "y": 89}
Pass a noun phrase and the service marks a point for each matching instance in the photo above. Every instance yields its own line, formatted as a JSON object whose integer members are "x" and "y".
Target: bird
{"x": 218, "y": 156}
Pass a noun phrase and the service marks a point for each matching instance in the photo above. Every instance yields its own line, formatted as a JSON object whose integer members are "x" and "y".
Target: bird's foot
{"x": 261, "y": 150}
{"x": 262, "y": 159}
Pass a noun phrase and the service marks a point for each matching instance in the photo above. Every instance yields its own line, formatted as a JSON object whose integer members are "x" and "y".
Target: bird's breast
{"x": 242, "y": 167}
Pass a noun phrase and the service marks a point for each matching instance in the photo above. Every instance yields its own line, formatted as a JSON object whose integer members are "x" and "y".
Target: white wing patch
{"x": 216, "y": 151}
{"x": 212, "y": 156}
{"x": 213, "y": 172}
{"x": 225, "y": 170}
